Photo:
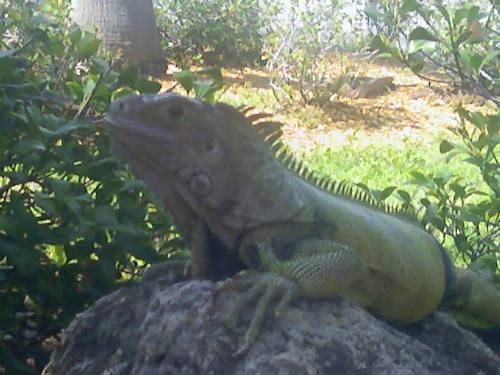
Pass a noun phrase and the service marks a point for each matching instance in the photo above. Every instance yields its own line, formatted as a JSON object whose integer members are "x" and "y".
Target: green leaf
{"x": 89, "y": 87}
{"x": 419, "y": 178}
{"x": 26, "y": 261}
{"x": 372, "y": 12}
{"x": 404, "y": 196}
{"x": 474, "y": 13}
{"x": 70, "y": 126}
{"x": 417, "y": 46}
{"x": 478, "y": 119}
{"x": 121, "y": 93}
{"x": 416, "y": 67}
{"x": 185, "y": 79}
{"x": 146, "y": 86}
{"x": 430, "y": 213}
{"x": 105, "y": 215}
{"x": 445, "y": 147}
{"x": 28, "y": 146}
{"x": 204, "y": 90}
{"x": 459, "y": 15}
{"x": 443, "y": 11}
{"x": 214, "y": 73}
{"x": 386, "y": 192}
{"x": 408, "y": 6}
{"x": 466, "y": 57}
{"x": 75, "y": 34}
{"x": 491, "y": 55}
{"x": 493, "y": 124}
{"x": 76, "y": 90}
{"x": 477, "y": 161}
{"x": 144, "y": 252}
{"x": 421, "y": 33}
{"x": 8, "y": 53}
{"x": 463, "y": 37}
{"x": 461, "y": 243}
{"x": 476, "y": 61}
{"x": 45, "y": 203}
{"x": 7, "y": 66}
{"x": 482, "y": 141}
{"x": 458, "y": 189}
{"x": 57, "y": 254}
{"x": 133, "y": 211}
{"x": 102, "y": 65}
{"x": 129, "y": 76}
{"x": 88, "y": 45}
{"x": 381, "y": 43}
{"x": 470, "y": 216}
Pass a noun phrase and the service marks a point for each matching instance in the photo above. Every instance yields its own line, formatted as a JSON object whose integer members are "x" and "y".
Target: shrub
{"x": 465, "y": 216}
{"x": 461, "y": 42}
{"x": 214, "y": 32}
{"x": 73, "y": 226}
{"x": 302, "y": 61}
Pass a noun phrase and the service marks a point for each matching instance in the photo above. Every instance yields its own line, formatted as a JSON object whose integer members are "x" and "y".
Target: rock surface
{"x": 158, "y": 328}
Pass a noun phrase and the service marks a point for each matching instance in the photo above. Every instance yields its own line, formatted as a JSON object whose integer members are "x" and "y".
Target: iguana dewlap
{"x": 241, "y": 201}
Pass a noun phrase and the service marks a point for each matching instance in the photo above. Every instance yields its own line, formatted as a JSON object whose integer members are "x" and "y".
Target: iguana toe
{"x": 266, "y": 288}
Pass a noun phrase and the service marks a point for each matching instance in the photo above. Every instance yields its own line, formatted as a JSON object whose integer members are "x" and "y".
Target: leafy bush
{"x": 302, "y": 61}
{"x": 214, "y": 32}
{"x": 73, "y": 226}
{"x": 464, "y": 212}
{"x": 461, "y": 42}
{"x": 203, "y": 84}
{"x": 465, "y": 215}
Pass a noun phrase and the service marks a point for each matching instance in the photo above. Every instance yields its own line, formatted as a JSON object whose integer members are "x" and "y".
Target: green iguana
{"x": 242, "y": 202}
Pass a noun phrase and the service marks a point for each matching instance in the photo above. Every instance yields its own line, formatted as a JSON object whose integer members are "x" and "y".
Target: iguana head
{"x": 210, "y": 156}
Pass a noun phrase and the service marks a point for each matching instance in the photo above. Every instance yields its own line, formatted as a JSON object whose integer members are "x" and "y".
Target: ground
{"x": 416, "y": 109}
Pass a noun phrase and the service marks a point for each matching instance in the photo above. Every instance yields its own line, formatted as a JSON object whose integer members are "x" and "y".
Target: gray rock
{"x": 158, "y": 328}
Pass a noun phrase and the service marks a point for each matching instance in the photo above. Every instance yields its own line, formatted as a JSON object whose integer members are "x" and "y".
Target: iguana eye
{"x": 175, "y": 112}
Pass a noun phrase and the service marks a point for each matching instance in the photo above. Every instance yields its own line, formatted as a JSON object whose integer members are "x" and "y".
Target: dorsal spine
{"x": 270, "y": 132}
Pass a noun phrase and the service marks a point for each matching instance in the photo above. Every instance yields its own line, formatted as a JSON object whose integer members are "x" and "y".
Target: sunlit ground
{"x": 377, "y": 141}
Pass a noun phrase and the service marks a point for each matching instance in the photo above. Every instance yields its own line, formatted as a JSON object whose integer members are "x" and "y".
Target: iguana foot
{"x": 319, "y": 269}
{"x": 266, "y": 288}
{"x": 176, "y": 269}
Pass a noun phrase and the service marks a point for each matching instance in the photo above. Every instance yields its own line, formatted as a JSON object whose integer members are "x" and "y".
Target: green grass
{"x": 380, "y": 166}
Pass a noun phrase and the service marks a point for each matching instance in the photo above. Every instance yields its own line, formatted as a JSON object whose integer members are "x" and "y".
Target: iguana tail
{"x": 474, "y": 302}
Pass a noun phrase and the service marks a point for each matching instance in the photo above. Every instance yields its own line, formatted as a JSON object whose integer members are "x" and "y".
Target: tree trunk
{"x": 126, "y": 25}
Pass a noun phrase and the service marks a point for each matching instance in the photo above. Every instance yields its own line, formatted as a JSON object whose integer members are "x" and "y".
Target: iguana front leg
{"x": 318, "y": 269}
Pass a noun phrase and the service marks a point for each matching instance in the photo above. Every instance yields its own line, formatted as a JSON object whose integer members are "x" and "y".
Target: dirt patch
{"x": 414, "y": 109}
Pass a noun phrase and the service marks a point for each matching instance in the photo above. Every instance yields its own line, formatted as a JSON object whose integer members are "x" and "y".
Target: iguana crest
{"x": 271, "y": 133}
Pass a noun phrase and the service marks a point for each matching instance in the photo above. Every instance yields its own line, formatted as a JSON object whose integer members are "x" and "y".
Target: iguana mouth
{"x": 118, "y": 123}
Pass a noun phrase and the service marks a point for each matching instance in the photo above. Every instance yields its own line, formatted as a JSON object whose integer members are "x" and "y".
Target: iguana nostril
{"x": 201, "y": 184}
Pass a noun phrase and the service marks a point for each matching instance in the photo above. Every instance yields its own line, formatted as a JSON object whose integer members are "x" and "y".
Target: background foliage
{"x": 73, "y": 226}
{"x": 222, "y": 32}
{"x": 461, "y": 43}
{"x": 458, "y": 45}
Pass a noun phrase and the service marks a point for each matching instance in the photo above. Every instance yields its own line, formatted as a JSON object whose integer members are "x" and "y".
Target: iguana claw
{"x": 267, "y": 288}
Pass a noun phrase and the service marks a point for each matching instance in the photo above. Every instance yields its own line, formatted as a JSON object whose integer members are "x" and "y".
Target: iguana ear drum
{"x": 200, "y": 184}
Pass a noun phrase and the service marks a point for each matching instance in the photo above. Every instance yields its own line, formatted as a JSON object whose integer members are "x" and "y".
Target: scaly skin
{"x": 239, "y": 206}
